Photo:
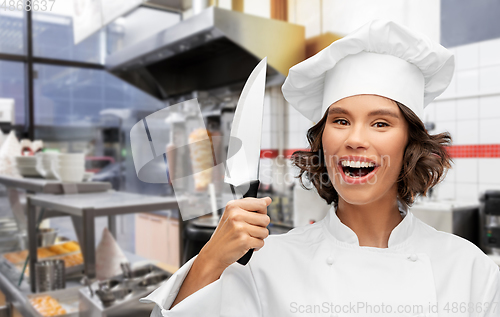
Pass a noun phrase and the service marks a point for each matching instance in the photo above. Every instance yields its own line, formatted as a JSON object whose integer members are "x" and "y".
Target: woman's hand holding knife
{"x": 238, "y": 231}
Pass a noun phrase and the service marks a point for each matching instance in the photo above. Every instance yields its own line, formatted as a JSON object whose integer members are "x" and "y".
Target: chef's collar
{"x": 344, "y": 234}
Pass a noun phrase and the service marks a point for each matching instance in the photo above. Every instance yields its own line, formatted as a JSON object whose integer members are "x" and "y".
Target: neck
{"x": 372, "y": 222}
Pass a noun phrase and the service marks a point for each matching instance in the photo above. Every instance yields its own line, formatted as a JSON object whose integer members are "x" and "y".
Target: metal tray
{"x": 68, "y": 298}
{"x": 54, "y": 257}
{"x": 69, "y": 271}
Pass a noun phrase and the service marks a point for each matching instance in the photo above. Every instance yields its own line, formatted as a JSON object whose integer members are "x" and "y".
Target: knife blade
{"x": 242, "y": 165}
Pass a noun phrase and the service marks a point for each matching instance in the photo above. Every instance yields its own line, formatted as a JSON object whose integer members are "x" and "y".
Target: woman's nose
{"x": 357, "y": 138}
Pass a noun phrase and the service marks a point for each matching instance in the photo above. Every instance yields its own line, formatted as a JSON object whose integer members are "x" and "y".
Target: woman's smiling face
{"x": 369, "y": 129}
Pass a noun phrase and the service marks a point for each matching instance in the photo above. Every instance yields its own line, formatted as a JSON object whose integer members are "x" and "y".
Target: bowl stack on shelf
{"x": 69, "y": 167}
{"x": 45, "y": 161}
{"x": 26, "y": 165}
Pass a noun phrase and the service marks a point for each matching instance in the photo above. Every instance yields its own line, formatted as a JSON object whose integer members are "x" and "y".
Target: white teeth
{"x": 357, "y": 164}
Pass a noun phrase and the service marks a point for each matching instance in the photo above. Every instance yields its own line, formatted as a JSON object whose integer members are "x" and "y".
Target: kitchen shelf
{"x": 40, "y": 185}
{"x": 86, "y": 207}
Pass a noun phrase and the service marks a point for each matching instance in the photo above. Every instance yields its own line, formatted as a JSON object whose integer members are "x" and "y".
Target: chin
{"x": 357, "y": 197}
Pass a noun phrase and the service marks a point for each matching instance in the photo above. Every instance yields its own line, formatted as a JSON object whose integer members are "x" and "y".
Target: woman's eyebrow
{"x": 338, "y": 110}
{"x": 382, "y": 112}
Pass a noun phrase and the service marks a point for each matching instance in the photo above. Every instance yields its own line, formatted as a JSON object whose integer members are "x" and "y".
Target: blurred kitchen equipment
{"x": 458, "y": 217}
{"x": 126, "y": 269}
{"x": 118, "y": 295}
{"x": 138, "y": 271}
{"x": 109, "y": 256}
{"x": 52, "y": 302}
{"x": 46, "y": 236}
{"x": 85, "y": 281}
{"x": 223, "y": 45}
{"x": 196, "y": 235}
{"x": 490, "y": 221}
{"x": 50, "y": 275}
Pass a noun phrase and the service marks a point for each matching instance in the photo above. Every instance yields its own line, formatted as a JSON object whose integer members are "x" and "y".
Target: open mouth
{"x": 357, "y": 171}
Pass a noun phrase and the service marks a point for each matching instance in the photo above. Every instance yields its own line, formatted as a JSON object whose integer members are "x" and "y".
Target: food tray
{"x": 68, "y": 298}
{"x": 67, "y": 270}
{"x": 54, "y": 257}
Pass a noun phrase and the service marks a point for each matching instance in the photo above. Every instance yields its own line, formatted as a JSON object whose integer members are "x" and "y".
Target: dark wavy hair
{"x": 425, "y": 160}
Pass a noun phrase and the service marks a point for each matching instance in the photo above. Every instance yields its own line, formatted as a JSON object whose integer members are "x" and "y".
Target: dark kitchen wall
{"x": 469, "y": 21}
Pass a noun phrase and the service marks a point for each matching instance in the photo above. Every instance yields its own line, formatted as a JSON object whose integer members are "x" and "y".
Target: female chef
{"x": 369, "y": 157}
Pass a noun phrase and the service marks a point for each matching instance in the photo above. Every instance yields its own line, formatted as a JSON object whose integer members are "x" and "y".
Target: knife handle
{"x": 252, "y": 192}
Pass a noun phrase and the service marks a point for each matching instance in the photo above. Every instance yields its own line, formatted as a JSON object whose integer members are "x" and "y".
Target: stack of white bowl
{"x": 69, "y": 167}
{"x": 26, "y": 165}
{"x": 44, "y": 164}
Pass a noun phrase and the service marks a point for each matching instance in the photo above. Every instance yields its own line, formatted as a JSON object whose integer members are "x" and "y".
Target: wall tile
{"x": 266, "y": 122}
{"x": 489, "y": 52}
{"x": 308, "y": 15}
{"x": 489, "y": 107}
{"x": 467, "y": 56}
{"x": 489, "y": 79}
{"x": 489, "y": 131}
{"x": 294, "y": 141}
{"x": 265, "y": 143}
{"x": 485, "y": 187}
{"x": 467, "y": 82}
{"x": 302, "y": 140}
{"x": 430, "y": 112}
{"x": 298, "y": 119}
{"x": 451, "y": 174}
{"x": 445, "y": 191}
{"x": 467, "y": 132}
{"x": 467, "y": 192}
{"x": 258, "y": 7}
{"x": 303, "y": 125}
{"x": 274, "y": 140}
{"x": 292, "y": 11}
{"x": 446, "y": 126}
{"x": 451, "y": 91}
{"x": 486, "y": 173}
{"x": 267, "y": 100}
{"x": 265, "y": 171}
{"x": 468, "y": 108}
{"x": 446, "y": 110}
{"x": 466, "y": 170}
{"x": 290, "y": 120}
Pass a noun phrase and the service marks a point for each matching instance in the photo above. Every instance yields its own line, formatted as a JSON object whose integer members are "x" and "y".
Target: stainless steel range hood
{"x": 215, "y": 48}
{"x": 174, "y": 5}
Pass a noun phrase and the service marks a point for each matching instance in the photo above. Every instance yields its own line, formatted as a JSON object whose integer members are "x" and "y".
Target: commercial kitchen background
{"x": 77, "y": 105}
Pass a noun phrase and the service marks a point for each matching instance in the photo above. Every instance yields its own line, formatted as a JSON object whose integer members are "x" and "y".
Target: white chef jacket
{"x": 320, "y": 270}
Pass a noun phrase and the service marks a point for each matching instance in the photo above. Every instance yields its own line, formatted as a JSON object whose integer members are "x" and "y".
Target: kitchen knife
{"x": 242, "y": 165}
